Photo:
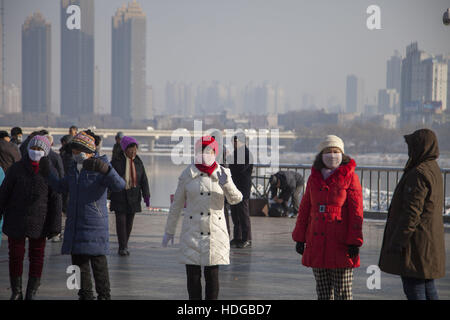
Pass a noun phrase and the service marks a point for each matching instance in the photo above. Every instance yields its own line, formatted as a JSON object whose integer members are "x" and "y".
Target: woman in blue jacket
{"x": 86, "y": 234}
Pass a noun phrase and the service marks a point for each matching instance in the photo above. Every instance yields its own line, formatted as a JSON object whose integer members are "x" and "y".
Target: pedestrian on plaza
{"x": 413, "y": 242}
{"x": 9, "y": 152}
{"x": 285, "y": 185}
{"x": 65, "y": 152}
{"x": 204, "y": 240}
{"x": 127, "y": 202}
{"x": 86, "y": 235}
{"x": 117, "y": 148}
{"x": 30, "y": 209}
{"x": 2, "y": 177}
{"x": 16, "y": 135}
{"x": 73, "y": 131}
{"x": 57, "y": 164}
{"x": 328, "y": 231}
{"x": 241, "y": 168}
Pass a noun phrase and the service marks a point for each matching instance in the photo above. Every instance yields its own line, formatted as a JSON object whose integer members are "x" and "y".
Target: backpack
{"x": 277, "y": 210}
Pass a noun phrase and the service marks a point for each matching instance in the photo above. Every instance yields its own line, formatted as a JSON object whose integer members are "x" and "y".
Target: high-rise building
{"x": 435, "y": 81}
{"x": 388, "y": 100}
{"x": 394, "y": 72}
{"x": 424, "y": 84}
{"x": 12, "y": 99}
{"x": 36, "y": 65}
{"x": 354, "y": 95}
{"x": 77, "y": 60}
{"x": 150, "y": 112}
{"x": 2, "y": 82}
{"x": 128, "y": 87}
{"x": 97, "y": 107}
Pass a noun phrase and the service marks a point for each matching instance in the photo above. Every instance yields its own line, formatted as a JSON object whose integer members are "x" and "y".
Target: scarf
{"x": 206, "y": 169}
{"x": 130, "y": 174}
{"x": 35, "y": 166}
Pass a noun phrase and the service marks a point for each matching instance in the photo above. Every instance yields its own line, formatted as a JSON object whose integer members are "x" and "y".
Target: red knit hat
{"x": 206, "y": 141}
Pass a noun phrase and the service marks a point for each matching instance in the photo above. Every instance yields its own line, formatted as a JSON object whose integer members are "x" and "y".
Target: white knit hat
{"x": 332, "y": 141}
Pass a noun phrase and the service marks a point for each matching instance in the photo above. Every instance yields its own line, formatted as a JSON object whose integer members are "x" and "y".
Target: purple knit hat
{"x": 126, "y": 141}
{"x": 40, "y": 142}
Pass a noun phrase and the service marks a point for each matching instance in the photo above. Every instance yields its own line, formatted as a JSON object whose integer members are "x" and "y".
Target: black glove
{"x": 44, "y": 167}
{"x": 96, "y": 164}
{"x": 300, "y": 247}
{"x": 353, "y": 251}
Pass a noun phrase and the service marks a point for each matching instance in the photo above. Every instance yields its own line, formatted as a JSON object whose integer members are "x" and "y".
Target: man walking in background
{"x": 241, "y": 172}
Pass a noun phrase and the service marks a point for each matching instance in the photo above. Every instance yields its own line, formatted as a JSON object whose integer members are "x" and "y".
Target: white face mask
{"x": 35, "y": 155}
{"x": 208, "y": 159}
{"x": 79, "y": 158}
{"x": 332, "y": 160}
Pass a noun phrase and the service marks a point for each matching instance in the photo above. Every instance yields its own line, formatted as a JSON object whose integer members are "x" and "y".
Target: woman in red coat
{"x": 328, "y": 231}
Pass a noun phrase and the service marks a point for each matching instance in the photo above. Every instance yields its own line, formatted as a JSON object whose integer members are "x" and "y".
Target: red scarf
{"x": 206, "y": 169}
{"x": 35, "y": 166}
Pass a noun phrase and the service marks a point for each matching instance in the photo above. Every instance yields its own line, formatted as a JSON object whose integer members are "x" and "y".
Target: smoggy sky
{"x": 308, "y": 47}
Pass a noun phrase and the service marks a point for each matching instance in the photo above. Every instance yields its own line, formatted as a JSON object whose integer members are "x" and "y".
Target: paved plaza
{"x": 271, "y": 269}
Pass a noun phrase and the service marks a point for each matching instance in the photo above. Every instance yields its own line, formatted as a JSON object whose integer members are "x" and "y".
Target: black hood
{"x": 422, "y": 146}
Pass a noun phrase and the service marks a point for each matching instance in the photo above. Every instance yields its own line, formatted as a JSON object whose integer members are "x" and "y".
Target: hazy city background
{"x": 305, "y": 66}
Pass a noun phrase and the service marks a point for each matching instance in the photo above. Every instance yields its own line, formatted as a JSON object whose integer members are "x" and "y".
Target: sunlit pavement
{"x": 270, "y": 269}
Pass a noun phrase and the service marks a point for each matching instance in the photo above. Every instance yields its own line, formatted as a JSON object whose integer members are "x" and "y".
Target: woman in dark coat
{"x": 86, "y": 234}
{"x": 127, "y": 202}
{"x": 413, "y": 243}
{"x": 31, "y": 210}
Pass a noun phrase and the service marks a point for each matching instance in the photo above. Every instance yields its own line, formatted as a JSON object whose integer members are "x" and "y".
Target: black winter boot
{"x": 16, "y": 288}
{"x": 32, "y": 287}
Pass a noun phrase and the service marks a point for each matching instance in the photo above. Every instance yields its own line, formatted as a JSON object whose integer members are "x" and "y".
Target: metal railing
{"x": 378, "y": 183}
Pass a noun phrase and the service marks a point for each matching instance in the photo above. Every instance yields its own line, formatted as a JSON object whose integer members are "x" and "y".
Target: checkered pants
{"x": 334, "y": 284}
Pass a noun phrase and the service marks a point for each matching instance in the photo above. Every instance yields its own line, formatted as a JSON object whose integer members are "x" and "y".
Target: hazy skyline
{"x": 307, "y": 47}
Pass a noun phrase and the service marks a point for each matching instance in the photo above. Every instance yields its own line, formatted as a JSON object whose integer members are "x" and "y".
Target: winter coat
{"x": 129, "y": 201}
{"x": 330, "y": 218}
{"x": 289, "y": 181}
{"x": 9, "y": 154}
{"x": 242, "y": 172}
{"x": 56, "y": 162}
{"x": 204, "y": 237}
{"x": 415, "y": 222}
{"x": 86, "y": 230}
{"x": 117, "y": 151}
{"x": 30, "y": 207}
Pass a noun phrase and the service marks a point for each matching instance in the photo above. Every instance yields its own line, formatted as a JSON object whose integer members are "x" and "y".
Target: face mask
{"x": 79, "y": 158}
{"x": 19, "y": 139}
{"x": 35, "y": 155}
{"x": 332, "y": 160}
{"x": 208, "y": 159}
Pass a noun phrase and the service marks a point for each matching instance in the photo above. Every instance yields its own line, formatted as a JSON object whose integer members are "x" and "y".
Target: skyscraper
{"x": 354, "y": 95}
{"x": 394, "y": 72}
{"x": 2, "y": 82}
{"x": 424, "y": 82}
{"x": 36, "y": 65}
{"x": 77, "y": 61}
{"x": 128, "y": 82}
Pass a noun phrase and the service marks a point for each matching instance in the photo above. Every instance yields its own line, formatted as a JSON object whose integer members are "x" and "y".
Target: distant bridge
{"x": 155, "y": 134}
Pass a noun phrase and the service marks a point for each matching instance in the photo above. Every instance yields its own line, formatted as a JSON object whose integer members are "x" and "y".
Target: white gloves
{"x": 166, "y": 239}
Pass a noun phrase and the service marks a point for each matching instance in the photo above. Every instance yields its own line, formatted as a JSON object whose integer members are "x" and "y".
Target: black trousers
{"x": 101, "y": 276}
{"x": 240, "y": 215}
{"x": 124, "y": 225}
{"x": 194, "y": 283}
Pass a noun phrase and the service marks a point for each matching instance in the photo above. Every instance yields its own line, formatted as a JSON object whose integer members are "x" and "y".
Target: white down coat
{"x": 204, "y": 237}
